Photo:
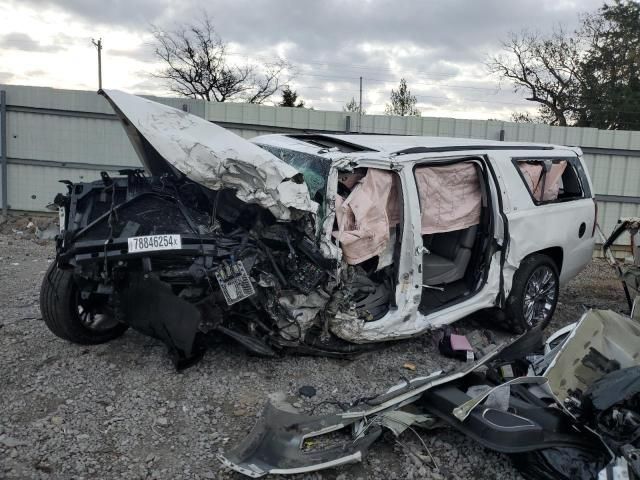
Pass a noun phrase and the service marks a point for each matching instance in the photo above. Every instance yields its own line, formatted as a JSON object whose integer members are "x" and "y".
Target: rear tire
{"x": 59, "y": 295}
{"x": 534, "y": 295}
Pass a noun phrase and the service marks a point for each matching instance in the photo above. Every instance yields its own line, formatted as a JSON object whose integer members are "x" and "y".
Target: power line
{"x": 419, "y": 96}
{"x": 466, "y": 99}
{"x": 496, "y": 92}
{"x": 378, "y": 80}
{"x": 340, "y": 65}
{"x": 353, "y": 79}
{"x": 424, "y": 73}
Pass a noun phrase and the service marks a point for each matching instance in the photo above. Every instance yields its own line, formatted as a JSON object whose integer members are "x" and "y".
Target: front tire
{"x": 534, "y": 294}
{"x": 66, "y": 316}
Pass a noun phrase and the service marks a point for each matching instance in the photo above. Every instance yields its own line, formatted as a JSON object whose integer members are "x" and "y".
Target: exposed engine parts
{"x": 230, "y": 251}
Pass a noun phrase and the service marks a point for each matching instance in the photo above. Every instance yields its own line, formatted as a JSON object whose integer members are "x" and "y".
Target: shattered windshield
{"x": 314, "y": 168}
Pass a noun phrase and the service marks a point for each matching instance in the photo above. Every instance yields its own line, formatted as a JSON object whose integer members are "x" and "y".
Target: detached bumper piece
{"x": 277, "y": 443}
{"x": 579, "y": 419}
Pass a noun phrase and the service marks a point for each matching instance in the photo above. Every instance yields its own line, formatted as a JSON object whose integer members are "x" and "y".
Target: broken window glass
{"x": 314, "y": 168}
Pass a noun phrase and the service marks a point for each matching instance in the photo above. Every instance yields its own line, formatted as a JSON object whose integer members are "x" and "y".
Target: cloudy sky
{"x": 438, "y": 46}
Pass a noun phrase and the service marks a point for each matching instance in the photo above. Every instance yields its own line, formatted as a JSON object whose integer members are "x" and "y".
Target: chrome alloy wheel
{"x": 540, "y": 296}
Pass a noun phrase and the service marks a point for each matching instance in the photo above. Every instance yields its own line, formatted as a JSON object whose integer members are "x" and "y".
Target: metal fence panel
{"x": 68, "y": 139}
{"x": 33, "y": 187}
{"x": 54, "y": 134}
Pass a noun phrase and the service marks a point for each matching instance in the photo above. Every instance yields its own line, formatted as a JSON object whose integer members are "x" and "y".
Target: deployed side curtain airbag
{"x": 450, "y": 197}
{"x": 365, "y": 216}
{"x": 532, "y": 173}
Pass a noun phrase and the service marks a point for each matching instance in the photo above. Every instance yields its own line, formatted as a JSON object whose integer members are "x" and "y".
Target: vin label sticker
{"x": 234, "y": 282}
{"x": 150, "y": 243}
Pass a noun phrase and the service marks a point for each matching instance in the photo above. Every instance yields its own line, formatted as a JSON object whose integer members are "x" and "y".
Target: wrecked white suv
{"x": 320, "y": 244}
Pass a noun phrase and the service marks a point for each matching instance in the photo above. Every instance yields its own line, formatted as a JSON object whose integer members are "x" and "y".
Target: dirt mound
{"x": 30, "y": 225}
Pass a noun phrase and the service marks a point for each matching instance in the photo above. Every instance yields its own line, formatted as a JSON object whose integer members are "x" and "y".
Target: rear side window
{"x": 553, "y": 180}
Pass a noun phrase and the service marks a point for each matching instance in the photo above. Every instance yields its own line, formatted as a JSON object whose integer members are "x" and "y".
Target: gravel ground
{"x": 120, "y": 410}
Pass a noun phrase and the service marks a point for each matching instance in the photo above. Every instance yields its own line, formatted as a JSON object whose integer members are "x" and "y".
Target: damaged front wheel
{"x": 70, "y": 318}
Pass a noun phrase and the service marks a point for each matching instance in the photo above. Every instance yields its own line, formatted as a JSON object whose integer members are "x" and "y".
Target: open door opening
{"x": 456, "y": 227}
{"x": 368, "y": 229}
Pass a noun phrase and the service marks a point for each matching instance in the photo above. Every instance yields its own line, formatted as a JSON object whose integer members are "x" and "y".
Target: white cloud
{"x": 439, "y": 47}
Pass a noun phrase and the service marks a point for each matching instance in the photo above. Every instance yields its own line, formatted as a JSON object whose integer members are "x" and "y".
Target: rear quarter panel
{"x": 537, "y": 227}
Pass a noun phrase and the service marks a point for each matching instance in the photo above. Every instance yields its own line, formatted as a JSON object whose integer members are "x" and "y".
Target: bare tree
{"x": 197, "y": 66}
{"x": 547, "y": 68}
{"x": 590, "y": 77}
{"x": 524, "y": 117}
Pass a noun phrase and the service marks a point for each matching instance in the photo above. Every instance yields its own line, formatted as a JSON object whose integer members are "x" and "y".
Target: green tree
{"x": 353, "y": 106}
{"x": 610, "y": 93}
{"x": 402, "y": 102}
{"x": 590, "y": 77}
{"x": 289, "y": 98}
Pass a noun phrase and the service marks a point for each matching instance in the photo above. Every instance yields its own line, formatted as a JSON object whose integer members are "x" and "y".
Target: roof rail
{"x": 454, "y": 148}
{"x": 324, "y": 141}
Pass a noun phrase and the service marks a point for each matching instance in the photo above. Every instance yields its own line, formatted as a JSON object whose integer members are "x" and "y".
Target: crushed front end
{"x": 216, "y": 238}
{"x": 187, "y": 264}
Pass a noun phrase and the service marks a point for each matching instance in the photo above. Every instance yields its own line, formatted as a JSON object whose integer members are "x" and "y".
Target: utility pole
{"x": 360, "y": 109}
{"x": 98, "y": 45}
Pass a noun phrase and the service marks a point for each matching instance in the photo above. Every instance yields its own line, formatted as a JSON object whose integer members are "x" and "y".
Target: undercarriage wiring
{"x": 293, "y": 290}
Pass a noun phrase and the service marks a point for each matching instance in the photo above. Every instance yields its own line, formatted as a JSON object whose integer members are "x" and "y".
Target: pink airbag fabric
{"x": 532, "y": 173}
{"x": 366, "y": 215}
{"x": 450, "y": 197}
{"x": 460, "y": 342}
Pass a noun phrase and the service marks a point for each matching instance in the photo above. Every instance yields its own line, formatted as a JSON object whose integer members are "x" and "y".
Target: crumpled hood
{"x": 168, "y": 140}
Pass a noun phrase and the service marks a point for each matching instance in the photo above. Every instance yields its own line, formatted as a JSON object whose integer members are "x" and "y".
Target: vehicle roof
{"x": 398, "y": 145}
